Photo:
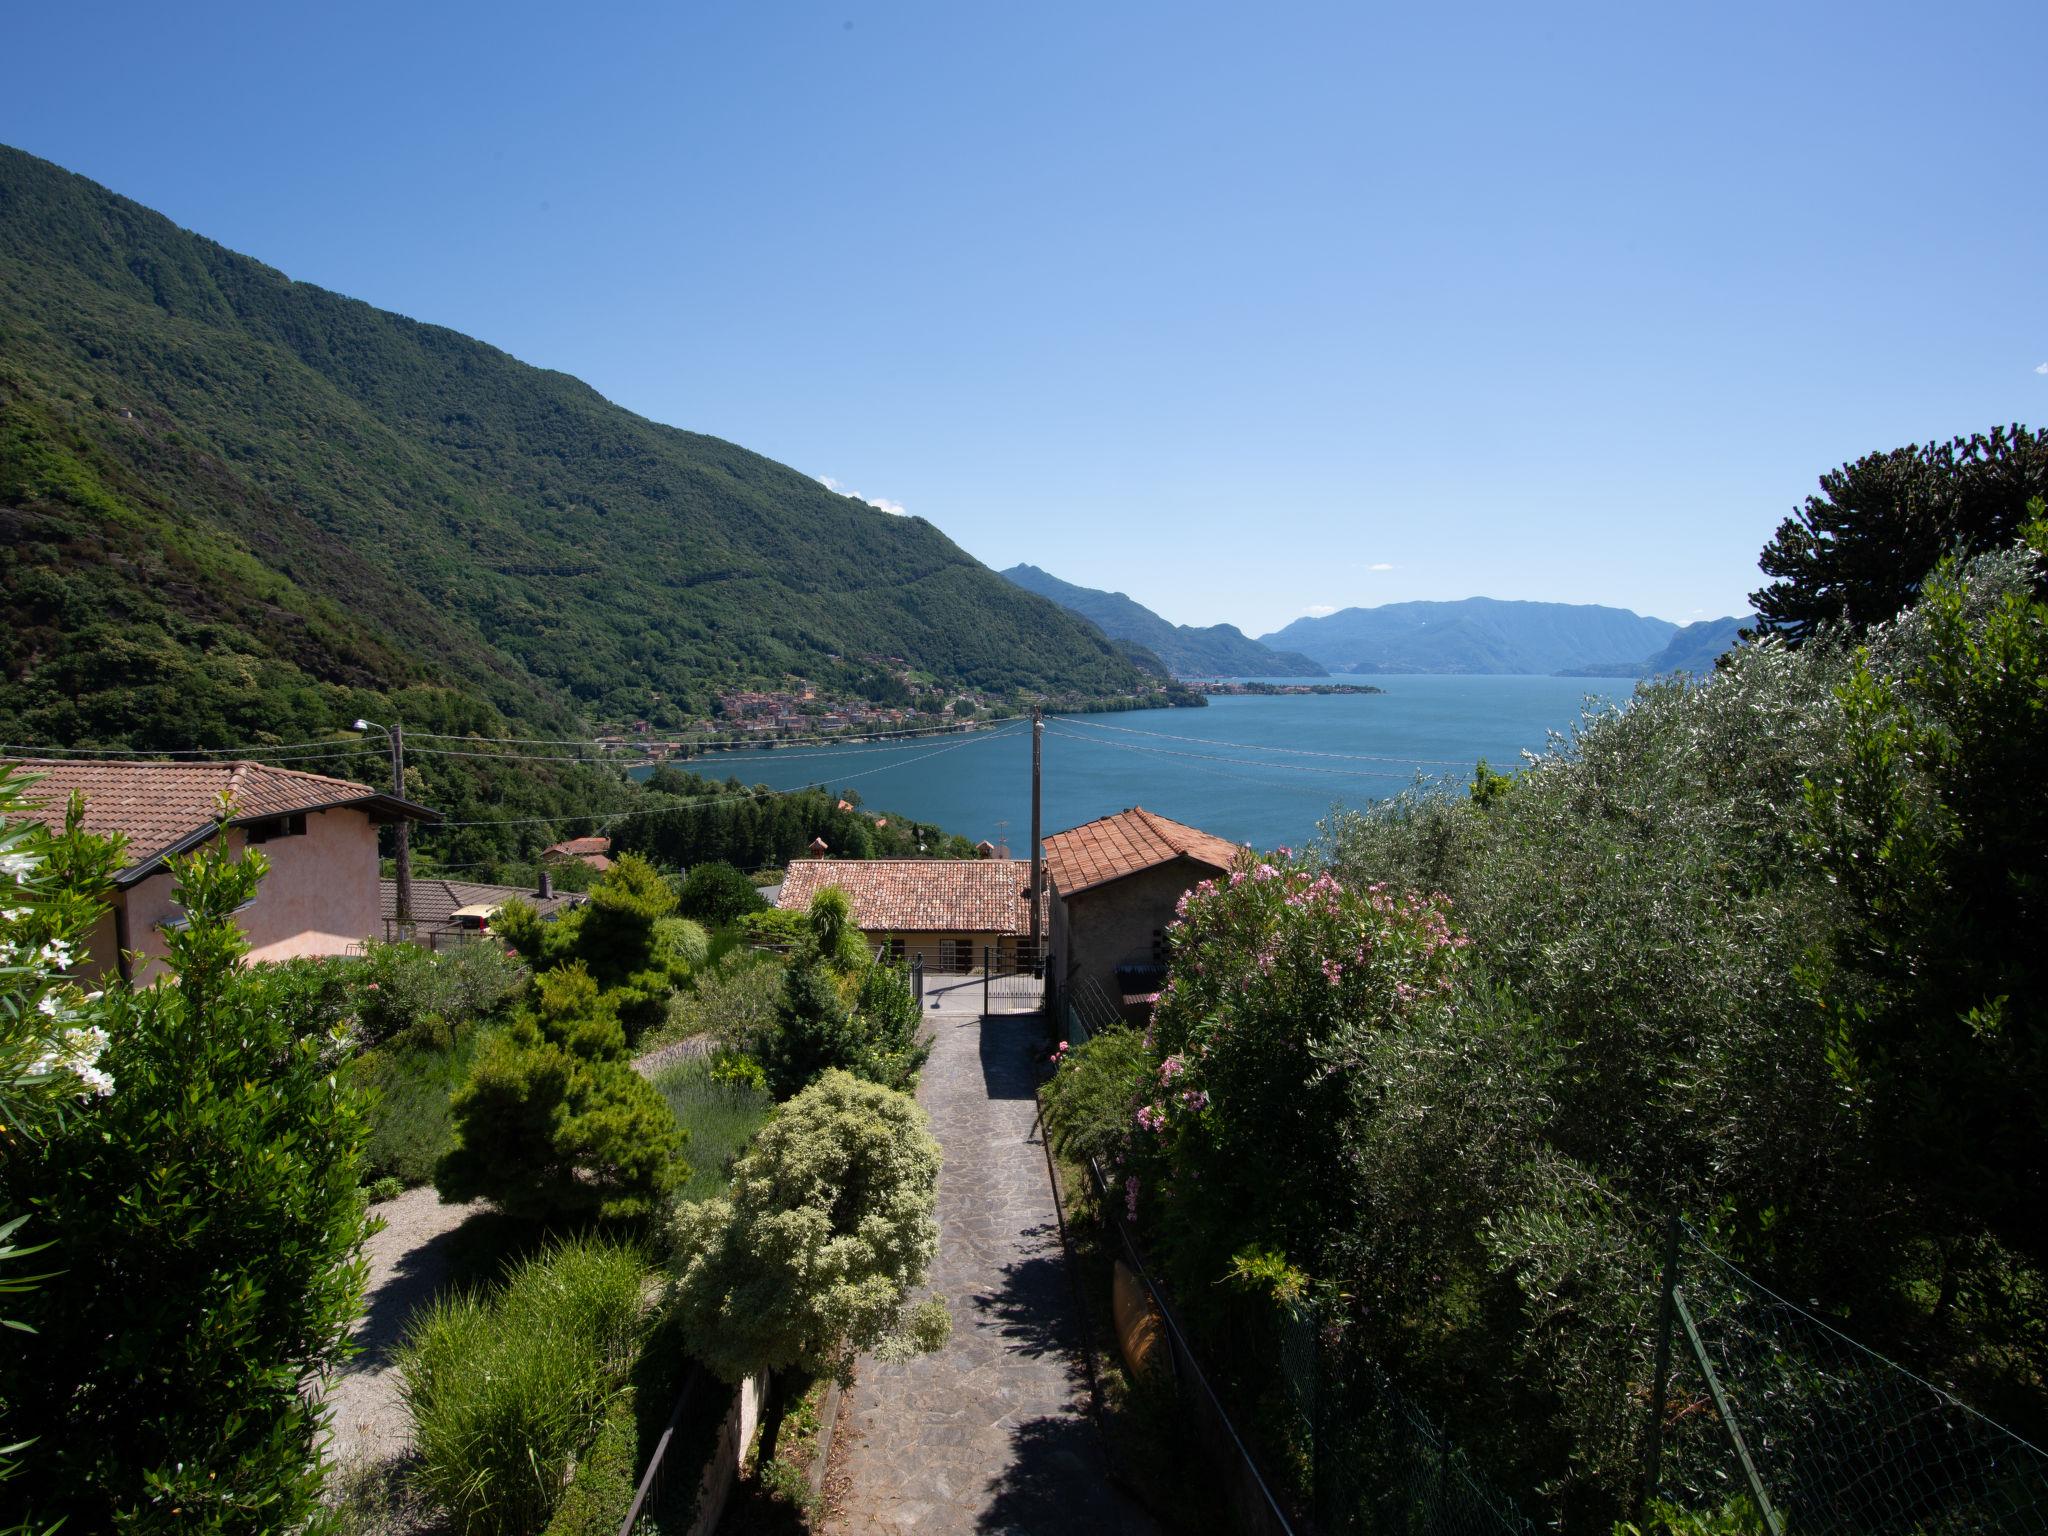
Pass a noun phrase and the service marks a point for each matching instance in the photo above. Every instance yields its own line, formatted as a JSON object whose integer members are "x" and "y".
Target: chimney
{"x": 547, "y": 885}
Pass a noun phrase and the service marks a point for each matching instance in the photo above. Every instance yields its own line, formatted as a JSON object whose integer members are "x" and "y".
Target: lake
{"x": 1257, "y": 770}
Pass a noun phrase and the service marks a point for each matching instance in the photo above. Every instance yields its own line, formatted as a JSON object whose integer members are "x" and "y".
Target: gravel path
{"x": 991, "y": 1434}
{"x": 408, "y": 1267}
{"x": 409, "y": 1262}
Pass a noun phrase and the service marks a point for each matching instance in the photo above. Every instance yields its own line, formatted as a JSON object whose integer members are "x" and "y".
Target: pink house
{"x": 319, "y": 834}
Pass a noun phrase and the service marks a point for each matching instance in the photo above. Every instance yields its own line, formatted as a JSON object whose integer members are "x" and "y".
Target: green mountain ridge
{"x": 1475, "y": 635}
{"x": 233, "y": 503}
{"x": 1220, "y": 650}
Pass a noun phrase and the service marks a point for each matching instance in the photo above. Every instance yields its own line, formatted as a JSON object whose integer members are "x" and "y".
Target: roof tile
{"x": 1112, "y": 847}
{"x": 919, "y": 895}
{"x": 159, "y": 806}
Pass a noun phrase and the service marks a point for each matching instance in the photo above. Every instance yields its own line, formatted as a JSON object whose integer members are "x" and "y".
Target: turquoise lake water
{"x": 1250, "y": 769}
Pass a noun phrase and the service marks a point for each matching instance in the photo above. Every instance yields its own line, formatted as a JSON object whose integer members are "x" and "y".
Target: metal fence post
{"x": 987, "y": 959}
{"x": 917, "y": 977}
{"x": 1660, "y": 1374}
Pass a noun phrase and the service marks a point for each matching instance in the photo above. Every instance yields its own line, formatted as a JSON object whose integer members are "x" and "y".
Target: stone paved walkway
{"x": 991, "y": 1434}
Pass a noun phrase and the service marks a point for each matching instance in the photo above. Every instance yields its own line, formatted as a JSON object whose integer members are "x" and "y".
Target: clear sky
{"x": 1244, "y": 309}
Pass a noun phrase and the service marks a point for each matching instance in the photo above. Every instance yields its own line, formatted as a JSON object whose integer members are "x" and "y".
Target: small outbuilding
{"x": 1112, "y": 885}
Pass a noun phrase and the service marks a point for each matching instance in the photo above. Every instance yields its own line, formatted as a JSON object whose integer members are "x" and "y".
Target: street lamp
{"x": 396, "y": 736}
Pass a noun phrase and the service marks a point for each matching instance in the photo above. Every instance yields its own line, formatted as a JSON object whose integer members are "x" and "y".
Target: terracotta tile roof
{"x": 577, "y": 847}
{"x": 165, "y": 808}
{"x": 919, "y": 895}
{"x": 1111, "y": 847}
{"x": 435, "y": 901}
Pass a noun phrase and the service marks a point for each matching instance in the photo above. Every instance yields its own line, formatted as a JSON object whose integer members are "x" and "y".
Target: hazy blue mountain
{"x": 1693, "y": 649}
{"x": 1221, "y": 650}
{"x": 1477, "y": 634}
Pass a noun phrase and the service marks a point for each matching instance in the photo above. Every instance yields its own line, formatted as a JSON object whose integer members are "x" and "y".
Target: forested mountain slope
{"x": 1221, "y": 650}
{"x": 231, "y": 502}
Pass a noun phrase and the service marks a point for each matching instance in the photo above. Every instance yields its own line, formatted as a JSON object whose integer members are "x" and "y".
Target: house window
{"x": 1027, "y": 955}
{"x": 956, "y": 955}
{"x": 275, "y": 827}
{"x": 896, "y": 951}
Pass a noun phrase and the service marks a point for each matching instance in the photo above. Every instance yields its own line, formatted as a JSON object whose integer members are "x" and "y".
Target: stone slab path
{"x": 992, "y": 1433}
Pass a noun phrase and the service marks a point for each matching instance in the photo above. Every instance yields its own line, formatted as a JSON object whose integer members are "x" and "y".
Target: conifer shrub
{"x": 554, "y": 1121}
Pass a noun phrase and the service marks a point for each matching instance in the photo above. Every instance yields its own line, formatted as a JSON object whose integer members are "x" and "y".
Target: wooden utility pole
{"x": 1037, "y": 863}
{"x": 404, "y": 860}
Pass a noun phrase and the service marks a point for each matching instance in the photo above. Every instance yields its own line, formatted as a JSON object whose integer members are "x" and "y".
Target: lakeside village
{"x": 800, "y": 711}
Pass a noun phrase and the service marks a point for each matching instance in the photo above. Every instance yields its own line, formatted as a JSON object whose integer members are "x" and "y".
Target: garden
{"x": 602, "y": 1115}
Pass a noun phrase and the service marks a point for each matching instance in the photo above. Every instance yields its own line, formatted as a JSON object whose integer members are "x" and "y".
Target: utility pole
{"x": 396, "y": 736}
{"x": 404, "y": 860}
{"x": 1037, "y": 863}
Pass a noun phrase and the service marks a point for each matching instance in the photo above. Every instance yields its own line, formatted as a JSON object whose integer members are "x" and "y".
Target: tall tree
{"x": 1856, "y": 553}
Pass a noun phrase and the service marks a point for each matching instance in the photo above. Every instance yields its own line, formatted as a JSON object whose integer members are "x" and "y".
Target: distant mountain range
{"x": 1694, "y": 649}
{"x": 1221, "y": 650}
{"x": 1485, "y": 634}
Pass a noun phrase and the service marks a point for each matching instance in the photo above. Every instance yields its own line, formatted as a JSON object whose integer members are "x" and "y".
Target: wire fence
{"x": 1778, "y": 1416}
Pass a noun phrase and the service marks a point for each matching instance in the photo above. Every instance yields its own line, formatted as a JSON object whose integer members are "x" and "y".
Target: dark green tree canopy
{"x": 1856, "y": 553}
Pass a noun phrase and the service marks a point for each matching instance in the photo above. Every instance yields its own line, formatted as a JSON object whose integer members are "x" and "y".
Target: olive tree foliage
{"x": 207, "y": 1222}
{"x": 829, "y": 1227}
{"x": 1763, "y": 950}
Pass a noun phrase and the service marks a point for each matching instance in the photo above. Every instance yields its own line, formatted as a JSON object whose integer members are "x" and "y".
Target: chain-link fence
{"x": 1779, "y": 1417}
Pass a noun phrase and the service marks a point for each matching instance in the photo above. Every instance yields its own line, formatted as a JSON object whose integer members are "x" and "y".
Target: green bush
{"x": 775, "y": 929}
{"x": 717, "y": 895}
{"x": 830, "y": 1226}
{"x": 718, "y": 1115}
{"x": 504, "y": 1391}
{"x": 379, "y": 1190}
{"x": 406, "y": 1092}
{"x": 207, "y": 1216}
{"x": 733, "y": 1002}
{"x": 1094, "y": 1093}
{"x": 402, "y": 989}
{"x": 866, "y": 1023}
{"x": 554, "y": 1120}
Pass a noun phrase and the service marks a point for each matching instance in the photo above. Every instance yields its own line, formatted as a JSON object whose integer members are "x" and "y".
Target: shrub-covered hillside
{"x": 231, "y": 501}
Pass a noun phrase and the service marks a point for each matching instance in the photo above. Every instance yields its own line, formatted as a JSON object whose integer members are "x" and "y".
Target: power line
{"x": 663, "y": 810}
{"x": 960, "y": 728}
{"x": 1360, "y": 757}
{"x": 326, "y": 748}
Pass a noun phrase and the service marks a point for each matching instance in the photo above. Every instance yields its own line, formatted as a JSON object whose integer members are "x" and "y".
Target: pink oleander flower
{"x": 1152, "y": 1118}
{"x": 1265, "y": 872}
{"x": 1195, "y": 1099}
{"x": 1131, "y": 1198}
{"x": 1171, "y": 1068}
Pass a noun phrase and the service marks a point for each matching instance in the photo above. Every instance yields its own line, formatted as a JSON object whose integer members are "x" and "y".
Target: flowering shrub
{"x": 1281, "y": 978}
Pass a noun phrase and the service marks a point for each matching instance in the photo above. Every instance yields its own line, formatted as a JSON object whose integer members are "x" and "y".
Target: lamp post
{"x": 395, "y": 734}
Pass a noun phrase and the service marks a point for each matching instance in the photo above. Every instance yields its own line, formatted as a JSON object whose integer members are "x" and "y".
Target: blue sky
{"x": 1245, "y": 310}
